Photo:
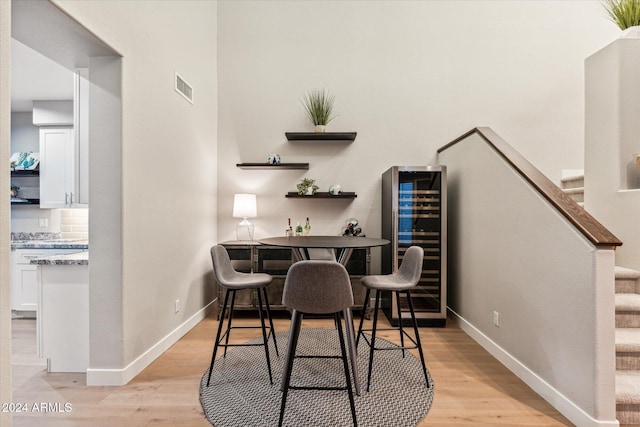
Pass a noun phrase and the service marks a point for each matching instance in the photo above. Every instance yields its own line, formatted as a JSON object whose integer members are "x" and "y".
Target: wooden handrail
{"x": 587, "y": 225}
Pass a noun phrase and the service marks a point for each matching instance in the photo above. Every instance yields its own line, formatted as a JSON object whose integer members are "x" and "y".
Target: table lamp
{"x": 244, "y": 206}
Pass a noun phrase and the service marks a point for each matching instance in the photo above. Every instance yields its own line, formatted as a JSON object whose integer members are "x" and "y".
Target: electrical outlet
{"x": 496, "y": 319}
{"x": 177, "y": 305}
{"x": 43, "y": 222}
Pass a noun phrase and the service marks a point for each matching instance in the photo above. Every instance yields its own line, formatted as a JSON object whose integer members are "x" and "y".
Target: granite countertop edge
{"x": 45, "y": 240}
{"x": 79, "y": 258}
{"x": 50, "y": 244}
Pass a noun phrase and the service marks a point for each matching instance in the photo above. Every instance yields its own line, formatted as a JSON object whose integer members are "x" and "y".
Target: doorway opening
{"x": 62, "y": 47}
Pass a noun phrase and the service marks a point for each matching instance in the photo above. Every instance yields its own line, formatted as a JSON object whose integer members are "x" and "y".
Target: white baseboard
{"x": 561, "y": 403}
{"x": 119, "y": 377}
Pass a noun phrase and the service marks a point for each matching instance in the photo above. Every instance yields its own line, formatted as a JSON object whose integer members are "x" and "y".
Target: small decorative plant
{"x": 624, "y": 13}
{"x": 305, "y": 185}
{"x": 319, "y": 107}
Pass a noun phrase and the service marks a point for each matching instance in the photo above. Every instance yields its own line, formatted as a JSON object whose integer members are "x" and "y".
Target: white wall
{"x": 408, "y": 77}
{"x": 5, "y": 210}
{"x": 168, "y": 168}
{"x": 511, "y": 252}
{"x": 24, "y": 135}
{"x": 612, "y": 135}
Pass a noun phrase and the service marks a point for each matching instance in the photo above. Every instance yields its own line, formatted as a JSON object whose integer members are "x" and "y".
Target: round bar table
{"x": 345, "y": 246}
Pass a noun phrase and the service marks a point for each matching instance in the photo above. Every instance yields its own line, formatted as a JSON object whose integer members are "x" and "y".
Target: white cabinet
{"x": 24, "y": 276}
{"x": 64, "y": 156}
{"x": 63, "y": 317}
{"x": 56, "y": 167}
{"x": 61, "y": 183}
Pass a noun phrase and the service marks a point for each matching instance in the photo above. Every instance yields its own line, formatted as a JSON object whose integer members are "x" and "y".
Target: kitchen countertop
{"x": 79, "y": 258}
{"x": 46, "y": 241}
{"x": 50, "y": 244}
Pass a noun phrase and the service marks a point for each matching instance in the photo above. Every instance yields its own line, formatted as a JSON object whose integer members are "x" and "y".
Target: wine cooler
{"x": 414, "y": 213}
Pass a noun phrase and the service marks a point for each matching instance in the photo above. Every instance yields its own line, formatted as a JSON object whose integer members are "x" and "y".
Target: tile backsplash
{"x": 70, "y": 223}
{"x": 32, "y": 219}
{"x": 74, "y": 223}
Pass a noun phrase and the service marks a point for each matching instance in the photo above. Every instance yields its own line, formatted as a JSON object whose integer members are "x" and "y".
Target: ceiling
{"x": 36, "y": 77}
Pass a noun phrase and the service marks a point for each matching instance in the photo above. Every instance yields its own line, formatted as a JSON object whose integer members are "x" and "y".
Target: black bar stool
{"x": 234, "y": 281}
{"x": 402, "y": 281}
{"x": 316, "y": 287}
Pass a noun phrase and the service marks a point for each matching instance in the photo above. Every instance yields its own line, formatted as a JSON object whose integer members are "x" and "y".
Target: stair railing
{"x": 597, "y": 234}
{"x": 531, "y": 276}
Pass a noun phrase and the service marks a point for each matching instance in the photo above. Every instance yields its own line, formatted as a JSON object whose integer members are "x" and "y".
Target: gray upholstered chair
{"x": 402, "y": 281}
{"x": 233, "y": 281}
{"x": 316, "y": 287}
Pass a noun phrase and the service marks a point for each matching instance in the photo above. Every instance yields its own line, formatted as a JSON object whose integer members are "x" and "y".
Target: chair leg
{"x": 346, "y": 369}
{"x": 353, "y": 350}
{"x": 264, "y": 336}
{"x": 364, "y": 310}
{"x": 294, "y": 333}
{"x": 226, "y": 338}
{"x": 215, "y": 345}
{"x": 272, "y": 331}
{"x": 419, "y": 345}
{"x": 373, "y": 338}
{"x": 400, "y": 322}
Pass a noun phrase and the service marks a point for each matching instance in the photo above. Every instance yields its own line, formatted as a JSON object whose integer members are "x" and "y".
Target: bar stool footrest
{"x": 296, "y": 387}
{"x": 398, "y": 347}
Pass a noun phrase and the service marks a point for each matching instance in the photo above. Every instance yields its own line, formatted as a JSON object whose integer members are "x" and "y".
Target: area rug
{"x": 240, "y": 394}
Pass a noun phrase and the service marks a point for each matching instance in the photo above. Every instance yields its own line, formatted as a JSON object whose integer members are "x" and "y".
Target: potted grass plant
{"x": 319, "y": 107}
{"x": 624, "y": 13}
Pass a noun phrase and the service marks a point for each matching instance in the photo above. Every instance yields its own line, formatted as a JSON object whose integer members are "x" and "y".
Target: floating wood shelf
{"x": 321, "y": 195}
{"x": 321, "y": 136}
{"x": 27, "y": 203}
{"x": 35, "y": 172}
{"x": 290, "y": 166}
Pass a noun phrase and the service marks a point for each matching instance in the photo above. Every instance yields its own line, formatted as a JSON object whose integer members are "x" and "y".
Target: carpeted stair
{"x": 627, "y": 345}
{"x": 627, "y": 334}
{"x": 574, "y": 187}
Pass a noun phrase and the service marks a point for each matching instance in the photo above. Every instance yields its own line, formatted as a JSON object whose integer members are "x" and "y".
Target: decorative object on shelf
{"x": 289, "y": 231}
{"x": 335, "y": 190}
{"x": 244, "y": 206}
{"x": 14, "y": 191}
{"x": 623, "y": 13}
{"x": 307, "y": 228}
{"x": 273, "y": 159}
{"x": 319, "y": 107}
{"x": 307, "y": 187}
{"x": 351, "y": 228}
{"x": 24, "y": 161}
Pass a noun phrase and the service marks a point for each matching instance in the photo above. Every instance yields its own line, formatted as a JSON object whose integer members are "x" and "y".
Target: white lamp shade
{"x": 244, "y": 206}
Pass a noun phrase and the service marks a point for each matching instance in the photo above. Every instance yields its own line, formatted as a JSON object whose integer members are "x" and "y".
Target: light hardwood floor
{"x": 471, "y": 387}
